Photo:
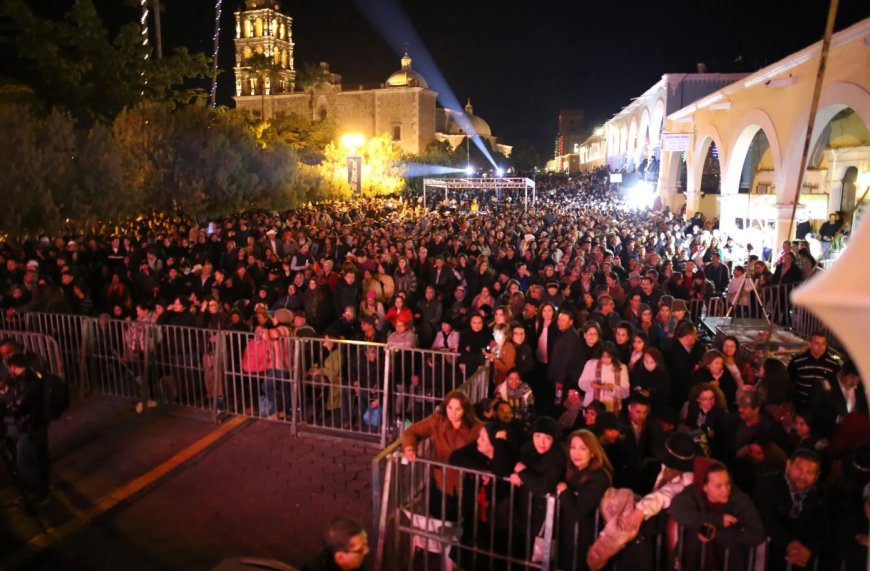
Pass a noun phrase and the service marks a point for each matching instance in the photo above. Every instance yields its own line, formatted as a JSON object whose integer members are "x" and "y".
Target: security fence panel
{"x": 260, "y": 371}
{"x": 421, "y": 378}
{"x": 447, "y": 515}
{"x": 43, "y": 352}
{"x": 688, "y": 552}
{"x": 10, "y": 320}
{"x": 777, "y": 302}
{"x": 242, "y": 377}
{"x": 114, "y": 358}
{"x": 177, "y": 361}
{"x": 67, "y": 330}
{"x": 342, "y": 388}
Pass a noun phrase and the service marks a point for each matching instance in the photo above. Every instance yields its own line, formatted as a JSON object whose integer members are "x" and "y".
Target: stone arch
{"x": 249, "y": 29}
{"x": 623, "y": 138}
{"x": 258, "y": 27}
{"x": 247, "y": 52}
{"x": 643, "y": 139}
{"x": 750, "y": 124}
{"x": 657, "y": 122}
{"x": 613, "y": 143}
{"x": 631, "y": 147}
{"x": 705, "y": 136}
{"x": 834, "y": 98}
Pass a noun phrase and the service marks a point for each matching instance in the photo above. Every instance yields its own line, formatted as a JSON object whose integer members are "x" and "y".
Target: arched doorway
{"x": 840, "y": 152}
{"x": 711, "y": 173}
{"x": 758, "y": 161}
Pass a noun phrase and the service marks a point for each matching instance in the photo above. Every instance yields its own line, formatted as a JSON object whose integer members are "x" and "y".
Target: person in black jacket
{"x": 588, "y": 476}
{"x": 715, "y": 517}
{"x": 24, "y": 401}
{"x": 541, "y": 467}
{"x": 681, "y": 358}
{"x": 795, "y": 509}
{"x": 484, "y": 499}
{"x": 565, "y": 360}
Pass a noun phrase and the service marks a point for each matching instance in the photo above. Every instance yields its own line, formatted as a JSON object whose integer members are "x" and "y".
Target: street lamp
{"x": 352, "y": 142}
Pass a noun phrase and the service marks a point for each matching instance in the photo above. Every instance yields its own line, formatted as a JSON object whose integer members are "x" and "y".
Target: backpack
{"x": 255, "y": 359}
{"x": 56, "y": 395}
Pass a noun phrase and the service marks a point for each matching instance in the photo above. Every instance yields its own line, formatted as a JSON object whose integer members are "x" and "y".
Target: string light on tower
{"x": 217, "y": 43}
{"x": 143, "y": 31}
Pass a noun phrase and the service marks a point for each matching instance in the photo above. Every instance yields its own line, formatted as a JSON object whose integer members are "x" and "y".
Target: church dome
{"x": 406, "y": 77}
{"x": 456, "y": 119}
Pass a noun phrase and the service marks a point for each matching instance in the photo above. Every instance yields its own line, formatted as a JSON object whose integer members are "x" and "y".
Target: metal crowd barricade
{"x": 420, "y": 379}
{"x": 344, "y": 388}
{"x": 180, "y": 359}
{"x": 754, "y": 559}
{"x": 13, "y": 321}
{"x": 43, "y": 347}
{"x": 115, "y": 356}
{"x": 253, "y": 374}
{"x": 68, "y": 331}
{"x": 487, "y": 523}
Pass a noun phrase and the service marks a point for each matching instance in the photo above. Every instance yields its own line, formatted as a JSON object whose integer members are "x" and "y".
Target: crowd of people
{"x": 583, "y": 308}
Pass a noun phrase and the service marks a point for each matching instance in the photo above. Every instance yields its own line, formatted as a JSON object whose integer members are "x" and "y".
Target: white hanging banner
{"x": 675, "y": 142}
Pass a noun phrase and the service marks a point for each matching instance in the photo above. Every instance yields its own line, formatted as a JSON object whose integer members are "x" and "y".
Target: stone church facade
{"x": 403, "y": 107}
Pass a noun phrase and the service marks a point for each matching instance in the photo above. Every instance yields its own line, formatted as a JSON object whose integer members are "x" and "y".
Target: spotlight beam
{"x": 390, "y": 20}
{"x": 414, "y": 170}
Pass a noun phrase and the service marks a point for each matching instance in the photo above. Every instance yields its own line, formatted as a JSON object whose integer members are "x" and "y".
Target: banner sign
{"x": 354, "y": 174}
{"x": 675, "y": 142}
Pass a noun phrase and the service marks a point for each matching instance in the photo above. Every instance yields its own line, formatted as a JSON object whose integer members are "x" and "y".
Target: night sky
{"x": 520, "y": 62}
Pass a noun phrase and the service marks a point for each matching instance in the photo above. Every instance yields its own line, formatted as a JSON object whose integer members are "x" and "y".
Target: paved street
{"x": 255, "y": 491}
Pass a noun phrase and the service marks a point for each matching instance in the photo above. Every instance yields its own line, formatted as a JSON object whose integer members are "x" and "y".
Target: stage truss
{"x": 497, "y": 184}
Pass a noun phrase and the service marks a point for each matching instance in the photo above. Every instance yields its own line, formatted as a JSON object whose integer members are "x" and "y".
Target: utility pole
{"x": 158, "y": 38}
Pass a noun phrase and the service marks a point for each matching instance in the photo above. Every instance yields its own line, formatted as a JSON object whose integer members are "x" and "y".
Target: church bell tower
{"x": 264, "y": 50}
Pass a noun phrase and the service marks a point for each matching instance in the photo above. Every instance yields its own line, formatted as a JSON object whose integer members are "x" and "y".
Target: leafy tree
{"x": 525, "y": 157}
{"x": 206, "y": 162}
{"x": 36, "y": 156}
{"x": 75, "y": 64}
{"x": 437, "y": 153}
{"x": 306, "y": 136}
{"x": 381, "y": 173}
{"x": 264, "y": 68}
{"x": 312, "y": 75}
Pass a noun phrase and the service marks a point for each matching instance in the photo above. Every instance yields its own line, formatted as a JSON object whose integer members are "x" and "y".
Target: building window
{"x": 397, "y": 132}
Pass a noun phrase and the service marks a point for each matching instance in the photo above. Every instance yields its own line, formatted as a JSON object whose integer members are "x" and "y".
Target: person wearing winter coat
{"x": 540, "y": 469}
{"x": 793, "y": 505}
{"x": 605, "y": 379}
{"x": 450, "y": 428}
{"x": 632, "y": 526}
{"x": 484, "y": 498}
{"x": 588, "y": 476}
{"x": 715, "y": 517}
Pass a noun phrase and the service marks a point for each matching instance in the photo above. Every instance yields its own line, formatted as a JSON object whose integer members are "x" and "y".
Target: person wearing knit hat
{"x": 625, "y": 517}
{"x": 541, "y": 466}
